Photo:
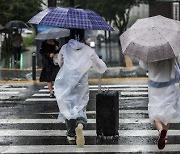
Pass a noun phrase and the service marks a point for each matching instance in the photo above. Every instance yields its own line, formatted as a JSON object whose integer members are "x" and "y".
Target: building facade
{"x": 166, "y": 8}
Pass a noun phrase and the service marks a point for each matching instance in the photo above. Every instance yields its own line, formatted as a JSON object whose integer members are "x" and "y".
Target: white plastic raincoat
{"x": 164, "y": 104}
{"x": 71, "y": 83}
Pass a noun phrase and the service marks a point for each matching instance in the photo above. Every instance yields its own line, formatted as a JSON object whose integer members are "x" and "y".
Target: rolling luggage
{"x": 107, "y": 112}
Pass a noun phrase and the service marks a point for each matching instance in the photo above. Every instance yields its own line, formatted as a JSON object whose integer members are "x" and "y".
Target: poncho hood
{"x": 75, "y": 44}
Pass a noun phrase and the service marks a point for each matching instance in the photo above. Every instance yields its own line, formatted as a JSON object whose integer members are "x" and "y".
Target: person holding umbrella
{"x": 164, "y": 104}
{"x": 154, "y": 41}
{"x": 49, "y": 50}
{"x": 71, "y": 86}
{"x": 49, "y": 71}
{"x": 16, "y": 45}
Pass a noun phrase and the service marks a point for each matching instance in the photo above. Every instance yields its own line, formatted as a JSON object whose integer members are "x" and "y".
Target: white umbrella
{"x": 152, "y": 39}
{"x": 53, "y": 33}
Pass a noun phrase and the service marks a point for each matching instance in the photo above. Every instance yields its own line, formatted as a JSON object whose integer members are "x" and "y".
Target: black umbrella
{"x": 15, "y": 24}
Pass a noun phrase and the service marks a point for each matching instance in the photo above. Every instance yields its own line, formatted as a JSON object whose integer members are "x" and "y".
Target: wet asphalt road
{"x": 29, "y": 123}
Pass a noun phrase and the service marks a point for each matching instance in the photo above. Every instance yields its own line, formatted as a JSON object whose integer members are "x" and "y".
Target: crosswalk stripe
{"x": 94, "y": 112}
{"x": 51, "y": 121}
{"x": 9, "y": 92}
{"x": 116, "y": 85}
{"x": 122, "y": 97}
{"x": 136, "y": 133}
{"x": 11, "y": 89}
{"x": 136, "y": 98}
{"x": 87, "y": 148}
{"x": 40, "y": 99}
{"x": 133, "y": 93}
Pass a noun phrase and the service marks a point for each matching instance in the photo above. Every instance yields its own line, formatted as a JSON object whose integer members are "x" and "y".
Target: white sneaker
{"x": 80, "y": 140}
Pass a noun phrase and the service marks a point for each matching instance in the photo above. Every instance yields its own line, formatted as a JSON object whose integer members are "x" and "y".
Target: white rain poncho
{"x": 71, "y": 83}
{"x": 164, "y": 104}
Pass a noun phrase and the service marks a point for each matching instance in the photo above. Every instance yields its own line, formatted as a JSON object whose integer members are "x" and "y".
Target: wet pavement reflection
{"x": 110, "y": 53}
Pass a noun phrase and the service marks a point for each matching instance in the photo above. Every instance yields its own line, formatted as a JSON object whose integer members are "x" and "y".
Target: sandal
{"x": 162, "y": 139}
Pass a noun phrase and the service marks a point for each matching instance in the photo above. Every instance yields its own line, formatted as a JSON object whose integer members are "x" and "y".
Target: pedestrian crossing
{"x": 37, "y": 130}
{"x": 10, "y": 93}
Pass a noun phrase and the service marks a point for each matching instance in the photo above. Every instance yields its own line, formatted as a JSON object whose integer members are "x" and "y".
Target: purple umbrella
{"x": 70, "y": 18}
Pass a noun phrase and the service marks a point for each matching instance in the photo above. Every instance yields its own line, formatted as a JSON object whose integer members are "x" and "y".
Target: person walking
{"x": 49, "y": 71}
{"x": 71, "y": 86}
{"x": 164, "y": 104}
{"x": 16, "y": 45}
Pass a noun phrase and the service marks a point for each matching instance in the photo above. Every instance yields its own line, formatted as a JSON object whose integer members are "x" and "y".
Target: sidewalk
{"x": 112, "y": 72}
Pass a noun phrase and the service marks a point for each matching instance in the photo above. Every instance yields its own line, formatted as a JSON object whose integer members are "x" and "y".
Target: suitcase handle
{"x": 100, "y": 84}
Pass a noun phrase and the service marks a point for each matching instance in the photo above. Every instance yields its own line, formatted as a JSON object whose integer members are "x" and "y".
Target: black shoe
{"x": 52, "y": 95}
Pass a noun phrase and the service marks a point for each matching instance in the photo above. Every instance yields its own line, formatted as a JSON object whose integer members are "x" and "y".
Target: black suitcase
{"x": 107, "y": 113}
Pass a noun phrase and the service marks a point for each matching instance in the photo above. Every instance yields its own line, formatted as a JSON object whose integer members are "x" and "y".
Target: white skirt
{"x": 164, "y": 104}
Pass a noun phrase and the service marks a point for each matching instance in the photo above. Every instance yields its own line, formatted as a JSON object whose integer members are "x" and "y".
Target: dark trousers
{"x": 17, "y": 53}
{"x": 72, "y": 124}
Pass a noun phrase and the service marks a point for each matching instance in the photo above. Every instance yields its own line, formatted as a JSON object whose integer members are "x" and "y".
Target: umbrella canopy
{"x": 152, "y": 39}
{"x": 53, "y": 33}
{"x": 70, "y": 18}
{"x": 15, "y": 24}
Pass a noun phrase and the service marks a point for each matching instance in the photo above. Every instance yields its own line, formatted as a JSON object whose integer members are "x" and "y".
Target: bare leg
{"x": 160, "y": 126}
{"x": 162, "y": 129}
{"x": 50, "y": 87}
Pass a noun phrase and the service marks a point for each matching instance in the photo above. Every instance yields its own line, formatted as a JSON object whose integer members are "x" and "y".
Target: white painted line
{"x": 94, "y": 112}
{"x": 116, "y": 85}
{"x": 4, "y": 97}
{"x": 11, "y": 132}
{"x": 124, "y": 98}
{"x": 95, "y": 89}
{"x": 88, "y": 148}
{"x": 133, "y": 111}
{"x": 119, "y": 85}
{"x": 44, "y": 90}
{"x": 9, "y": 92}
{"x": 121, "y": 89}
{"x": 40, "y": 95}
{"x": 133, "y": 93}
{"x": 87, "y": 112}
{"x": 51, "y": 121}
{"x": 40, "y": 99}
{"x": 8, "y": 89}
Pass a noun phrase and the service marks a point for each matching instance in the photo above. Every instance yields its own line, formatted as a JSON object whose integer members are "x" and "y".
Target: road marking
{"x": 133, "y": 93}
{"x": 40, "y": 95}
{"x": 54, "y": 99}
{"x": 116, "y": 86}
{"x": 51, "y": 121}
{"x": 40, "y": 99}
{"x": 7, "y": 132}
{"x": 119, "y": 86}
{"x": 94, "y": 112}
{"x": 11, "y": 89}
{"x": 9, "y": 92}
{"x": 136, "y": 98}
{"x": 87, "y": 148}
{"x": 120, "y": 89}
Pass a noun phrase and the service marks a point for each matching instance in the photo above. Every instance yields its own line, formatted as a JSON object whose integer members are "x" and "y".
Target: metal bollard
{"x": 34, "y": 66}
